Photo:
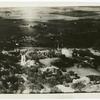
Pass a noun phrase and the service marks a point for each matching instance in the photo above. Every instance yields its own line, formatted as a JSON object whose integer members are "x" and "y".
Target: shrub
{"x": 81, "y": 83}
{"x": 78, "y": 86}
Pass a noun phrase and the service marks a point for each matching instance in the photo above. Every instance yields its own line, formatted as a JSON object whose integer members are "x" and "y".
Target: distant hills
{"x": 64, "y": 27}
{"x": 76, "y": 33}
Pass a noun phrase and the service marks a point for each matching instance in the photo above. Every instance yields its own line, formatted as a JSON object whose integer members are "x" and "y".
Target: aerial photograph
{"x": 48, "y": 50}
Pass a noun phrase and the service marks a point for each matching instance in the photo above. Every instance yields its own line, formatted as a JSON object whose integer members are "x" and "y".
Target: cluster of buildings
{"x": 44, "y": 53}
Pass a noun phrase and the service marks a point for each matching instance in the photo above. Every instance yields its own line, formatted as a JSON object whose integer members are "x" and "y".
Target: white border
{"x": 49, "y": 3}
{"x": 51, "y": 96}
{"x": 40, "y": 3}
{"x": 50, "y": 0}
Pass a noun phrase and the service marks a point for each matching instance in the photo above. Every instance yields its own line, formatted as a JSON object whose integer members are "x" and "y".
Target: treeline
{"x": 77, "y": 33}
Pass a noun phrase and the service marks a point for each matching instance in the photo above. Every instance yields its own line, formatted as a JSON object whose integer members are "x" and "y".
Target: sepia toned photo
{"x": 48, "y": 50}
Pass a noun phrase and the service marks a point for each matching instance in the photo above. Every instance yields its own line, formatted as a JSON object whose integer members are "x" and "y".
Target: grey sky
{"x": 47, "y": 13}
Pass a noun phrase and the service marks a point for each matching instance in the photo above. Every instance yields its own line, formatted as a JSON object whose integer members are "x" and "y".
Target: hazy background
{"x": 71, "y": 26}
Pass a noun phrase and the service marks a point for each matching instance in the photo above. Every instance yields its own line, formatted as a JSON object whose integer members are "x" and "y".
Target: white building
{"x": 66, "y": 52}
{"x": 23, "y": 59}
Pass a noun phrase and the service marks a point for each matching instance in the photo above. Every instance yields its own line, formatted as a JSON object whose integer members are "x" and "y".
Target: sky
{"x": 47, "y": 13}
{"x": 43, "y": 14}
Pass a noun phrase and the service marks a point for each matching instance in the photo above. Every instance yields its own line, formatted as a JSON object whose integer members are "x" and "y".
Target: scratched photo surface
{"x": 46, "y": 50}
